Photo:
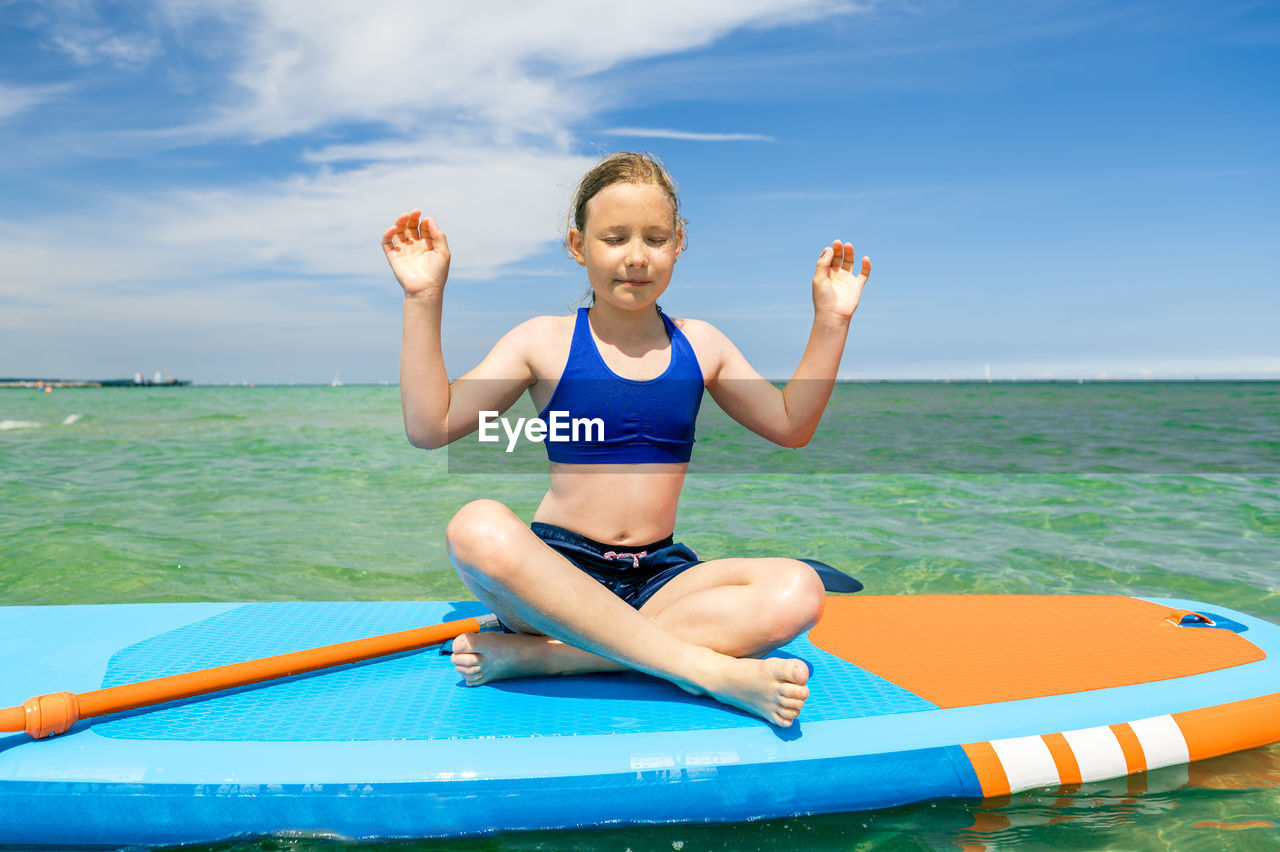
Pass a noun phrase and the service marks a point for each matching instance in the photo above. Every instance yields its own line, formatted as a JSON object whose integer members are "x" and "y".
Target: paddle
{"x": 57, "y": 712}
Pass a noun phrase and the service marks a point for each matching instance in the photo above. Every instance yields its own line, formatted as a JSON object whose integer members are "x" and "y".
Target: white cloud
{"x": 17, "y": 99}
{"x": 90, "y": 46}
{"x": 468, "y": 115}
{"x": 512, "y": 66}
{"x": 477, "y": 108}
{"x": 497, "y": 206}
{"x": 80, "y": 29}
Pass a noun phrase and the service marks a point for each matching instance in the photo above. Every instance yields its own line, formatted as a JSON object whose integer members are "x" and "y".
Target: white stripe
{"x": 1162, "y": 741}
{"x": 1027, "y": 763}
{"x": 1098, "y": 752}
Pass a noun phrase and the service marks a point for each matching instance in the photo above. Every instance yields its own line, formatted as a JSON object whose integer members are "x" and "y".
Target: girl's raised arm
{"x": 789, "y": 416}
{"x": 436, "y": 413}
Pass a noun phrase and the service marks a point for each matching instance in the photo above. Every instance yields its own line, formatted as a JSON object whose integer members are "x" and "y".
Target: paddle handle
{"x": 57, "y": 712}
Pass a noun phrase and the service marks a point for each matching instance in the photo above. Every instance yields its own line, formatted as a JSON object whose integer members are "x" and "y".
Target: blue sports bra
{"x": 606, "y": 419}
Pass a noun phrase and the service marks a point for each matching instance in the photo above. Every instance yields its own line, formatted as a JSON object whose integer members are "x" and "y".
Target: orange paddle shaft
{"x": 58, "y": 711}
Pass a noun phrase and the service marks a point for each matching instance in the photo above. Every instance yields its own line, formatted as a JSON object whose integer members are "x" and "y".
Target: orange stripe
{"x": 1225, "y": 728}
{"x": 1063, "y": 758}
{"x": 1134, "y": 757}
{"x": 989, "y": 769}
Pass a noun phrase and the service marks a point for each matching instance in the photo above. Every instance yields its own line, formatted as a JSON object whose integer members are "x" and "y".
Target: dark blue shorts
{"x": 632, "y": 573}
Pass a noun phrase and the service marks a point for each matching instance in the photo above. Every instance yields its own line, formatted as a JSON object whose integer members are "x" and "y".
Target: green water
{"x": 175, "y": 494}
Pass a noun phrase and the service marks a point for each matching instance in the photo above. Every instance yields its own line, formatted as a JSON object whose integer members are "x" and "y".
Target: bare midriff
{"x": 623, "y": 504}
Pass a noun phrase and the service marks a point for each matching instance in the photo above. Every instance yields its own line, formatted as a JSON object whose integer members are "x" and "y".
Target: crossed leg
{"x": 702, "y": 631}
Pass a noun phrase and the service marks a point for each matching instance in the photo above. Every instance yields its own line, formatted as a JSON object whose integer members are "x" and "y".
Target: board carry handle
{"x": 56, "y": 712}
{"x": 1180, "y": 617}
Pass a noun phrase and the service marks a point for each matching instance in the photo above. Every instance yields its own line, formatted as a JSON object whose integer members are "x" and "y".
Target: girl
{"x": 598, "y": 584}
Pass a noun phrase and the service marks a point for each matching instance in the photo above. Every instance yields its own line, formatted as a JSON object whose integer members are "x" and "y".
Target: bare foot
{"x": 485, "y": 657}
{"x": 773, "y": 688}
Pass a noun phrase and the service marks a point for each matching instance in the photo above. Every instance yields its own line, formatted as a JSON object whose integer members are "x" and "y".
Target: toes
{"x": 795, "y": 691}
{"x": 789, "y": 671}
{"x": 795, "y": 672}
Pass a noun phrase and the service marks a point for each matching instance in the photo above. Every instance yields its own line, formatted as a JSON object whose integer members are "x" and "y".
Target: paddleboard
{"x": 912, "y": 698}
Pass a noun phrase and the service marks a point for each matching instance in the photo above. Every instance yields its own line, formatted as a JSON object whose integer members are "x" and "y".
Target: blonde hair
{"x": 626, "y": 167}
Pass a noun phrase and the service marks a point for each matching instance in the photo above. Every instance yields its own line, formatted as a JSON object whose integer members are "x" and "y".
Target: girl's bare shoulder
{"x": 701, "y": 329}
{"x": 709, "y": 343}
{"x": 545, "y": 342}
{"x": 702, "y": 333}
{"x": 540, "y": 331}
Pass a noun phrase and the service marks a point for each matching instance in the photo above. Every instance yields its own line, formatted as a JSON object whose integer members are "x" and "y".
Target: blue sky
{"x": 1054, "y": 189}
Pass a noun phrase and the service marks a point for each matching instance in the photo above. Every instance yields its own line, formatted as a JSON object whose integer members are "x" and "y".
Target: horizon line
{"x": 79, "y": 384}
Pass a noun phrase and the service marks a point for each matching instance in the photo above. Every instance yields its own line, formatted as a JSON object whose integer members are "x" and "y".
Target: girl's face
{"x": 629, "y": 245}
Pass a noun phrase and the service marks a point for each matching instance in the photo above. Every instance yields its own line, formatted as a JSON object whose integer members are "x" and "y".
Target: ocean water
{"x": 290, "y": 493}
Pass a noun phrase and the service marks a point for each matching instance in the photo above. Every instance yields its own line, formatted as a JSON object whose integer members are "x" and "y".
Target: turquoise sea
{"x": 283, "y": 493}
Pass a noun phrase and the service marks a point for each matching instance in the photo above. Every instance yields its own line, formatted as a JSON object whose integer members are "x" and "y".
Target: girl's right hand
{"x": 418, "y": 253}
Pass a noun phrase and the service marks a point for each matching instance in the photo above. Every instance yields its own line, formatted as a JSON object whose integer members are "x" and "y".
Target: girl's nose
{"x": 636, "y": 255}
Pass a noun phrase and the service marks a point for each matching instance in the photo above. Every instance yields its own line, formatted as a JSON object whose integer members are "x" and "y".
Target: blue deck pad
{"x": 419, "y": 696}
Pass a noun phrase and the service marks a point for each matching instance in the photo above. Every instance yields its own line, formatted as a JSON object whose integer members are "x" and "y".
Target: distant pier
{"x": 135, "y": 382}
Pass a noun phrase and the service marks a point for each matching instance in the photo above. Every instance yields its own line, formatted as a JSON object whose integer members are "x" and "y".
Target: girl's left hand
{"x": 836, "y": 289}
